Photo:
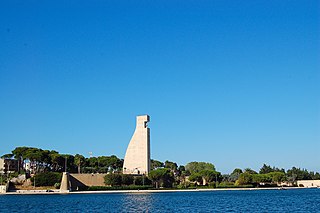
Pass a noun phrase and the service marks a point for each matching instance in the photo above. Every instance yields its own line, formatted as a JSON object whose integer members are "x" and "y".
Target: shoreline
{"x": 55, "y": 192}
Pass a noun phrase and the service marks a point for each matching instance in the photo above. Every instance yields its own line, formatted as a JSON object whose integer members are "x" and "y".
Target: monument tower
{"x": 137, "y": 158}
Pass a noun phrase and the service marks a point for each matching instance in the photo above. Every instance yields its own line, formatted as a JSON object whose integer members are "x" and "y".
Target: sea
{"x": 292, "y": 200}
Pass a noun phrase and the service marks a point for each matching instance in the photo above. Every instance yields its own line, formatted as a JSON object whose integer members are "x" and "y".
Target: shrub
{"x": 212, "y": 185}
{"x": 113, "y": 179}
{"x": 46, "y": 179}
{"x": 142, "y": 180}
{"x": 57, "y": 185}
{"x": 126, "y": 179}
{"x": 105, "y": 188}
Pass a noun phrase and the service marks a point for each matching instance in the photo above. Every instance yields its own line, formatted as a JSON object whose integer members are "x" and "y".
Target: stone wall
{"x": 81, "y": 181}
{"x": 308, "y": 183}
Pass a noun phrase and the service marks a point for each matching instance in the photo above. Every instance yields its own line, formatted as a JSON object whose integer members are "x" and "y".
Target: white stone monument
{"x": 137, "y": 158}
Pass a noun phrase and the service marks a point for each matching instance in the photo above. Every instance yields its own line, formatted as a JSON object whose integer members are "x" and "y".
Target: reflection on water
{"x": 137, "y": 202}
{"x": 302, "y": 200}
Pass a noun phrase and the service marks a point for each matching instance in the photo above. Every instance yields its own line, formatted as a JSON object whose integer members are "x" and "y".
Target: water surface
{"x": 299, "y": 200}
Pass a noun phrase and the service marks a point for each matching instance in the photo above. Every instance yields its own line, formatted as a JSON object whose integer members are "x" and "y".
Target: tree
{"x": 7, "y": 156}
{"x": 57, "y": 161}
{"x": 278, "y": 177}
{"x": 19, "y": 154}
{"x": 115, "y": 163}
{"x": 46, "y": 178}
{"x": 245, "y": 178}
{"x": 265, "y": 169}
{"x": 234, "y": 175}
{"x": 142, "y": 180}
{"x": 156, "y": 164}
{"x": 315, "y": 176}
{"x": 69, "y": 164}
{"x": 181, "y": 168}
{"x": 170, "y": 165}
{"x": 210, "y": 175}
{"x": 162, "y": 177}
{"x": 250, "y": 171}
{"x": 79, "y": 160}
{"x": 195, "y": 167}
{"x": 113, "y": 179}
{"x": 196, "y": 177}
{"x": 298, "y": 174}
{"x": 126, "y": 179}
{"x": 35, "y": 156}
{"x": 261, "y": 178}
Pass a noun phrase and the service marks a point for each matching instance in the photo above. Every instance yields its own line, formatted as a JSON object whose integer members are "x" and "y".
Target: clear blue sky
{"x": 235, "y": 83}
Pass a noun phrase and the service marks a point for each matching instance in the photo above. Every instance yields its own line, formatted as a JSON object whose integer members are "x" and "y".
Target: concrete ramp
{"x": 82, "y": 181}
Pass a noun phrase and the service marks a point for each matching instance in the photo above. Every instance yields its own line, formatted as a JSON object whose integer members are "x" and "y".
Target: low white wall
{"x": 4, "y": 188}
{"x": 309, "y": 183}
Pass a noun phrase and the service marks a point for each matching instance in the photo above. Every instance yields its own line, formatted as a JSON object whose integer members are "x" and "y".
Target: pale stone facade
{"x": 308, "y": 183}
{"x": 8, "y": 165}
{"x": 137, "y": 158}
{"x": 4, "y": 188}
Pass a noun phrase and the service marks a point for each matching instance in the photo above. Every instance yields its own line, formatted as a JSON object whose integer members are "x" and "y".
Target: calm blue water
{"x": 302, "y": 200}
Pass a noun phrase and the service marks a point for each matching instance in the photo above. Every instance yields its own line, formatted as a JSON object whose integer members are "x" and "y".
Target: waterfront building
{"x": 8, "y": 165}
{"x": 137, "y": 158}
{"x": 308, "y": 183}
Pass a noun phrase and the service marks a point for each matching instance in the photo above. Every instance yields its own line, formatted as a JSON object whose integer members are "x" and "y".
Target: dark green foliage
{"x": 196, "y": 177}
{"x": 261, "y": 178}
{"x": 171, "y": 165}
{"x": 269, "y": 179}
{"x": 195, "y": 167}
{"x": 131, "y": 187}
{"x": 235, "y": 186}
{"x": 245, "y": 178}
{"x": 250, "y": 171}
{"x": 46, "y": 179}
{"x": 278, "y": 177}
{"x": 57, "y": 185}
{"x": 113, "y": 179}
{"x": 315, "y": 175}
{"x": 226, "y": 185}
{"x": 3, "y": 179}
{"x": 79, "y": 161}
{"x": 46, "y": 160}
{"x": 156, "y": 164}
{"x": 234, "y": 175}
{"x": 210, "y": 175}
{"x": 298, "y": 174}
{"x": 181, "y": 168}
{"x": 162, "y": 177}
{"x": 126, "y": 179}
{"x": 142, "y": 180}
{"x": 265, "y": 169}
{"x": 7, "y": 156}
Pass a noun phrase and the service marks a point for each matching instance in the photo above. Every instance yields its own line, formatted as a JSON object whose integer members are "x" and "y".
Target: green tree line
{"x": 52, "y": 161}
{"x": 166, "y": 174}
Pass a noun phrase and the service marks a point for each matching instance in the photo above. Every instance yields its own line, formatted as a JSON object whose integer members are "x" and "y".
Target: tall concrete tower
{"x": 137, "y": 158}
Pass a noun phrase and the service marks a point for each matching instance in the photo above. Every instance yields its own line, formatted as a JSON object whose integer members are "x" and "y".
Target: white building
{"x": 308, "y": 183}
{"x": 8, "y": 165}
